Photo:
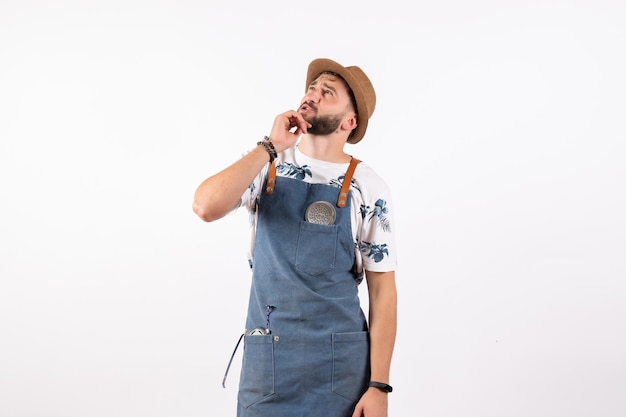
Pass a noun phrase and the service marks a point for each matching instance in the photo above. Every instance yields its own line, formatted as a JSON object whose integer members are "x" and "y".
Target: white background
{"x": 500, "y": 127}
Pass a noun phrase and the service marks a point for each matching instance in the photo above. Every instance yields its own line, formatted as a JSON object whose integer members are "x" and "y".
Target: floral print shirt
{"x": 371, "y": 205}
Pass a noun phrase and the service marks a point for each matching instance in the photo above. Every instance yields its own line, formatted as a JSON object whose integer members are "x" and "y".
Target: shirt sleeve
{"x": 376, "y": 242}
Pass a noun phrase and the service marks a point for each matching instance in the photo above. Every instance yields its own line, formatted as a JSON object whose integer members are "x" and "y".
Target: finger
{"x": 295, "y": 119}
{"x": 358, "y": 413}
{"x": 299, "y": 121}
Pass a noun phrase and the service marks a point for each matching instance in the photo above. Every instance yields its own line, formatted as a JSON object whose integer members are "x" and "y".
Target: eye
{"x": 329, "y": 92}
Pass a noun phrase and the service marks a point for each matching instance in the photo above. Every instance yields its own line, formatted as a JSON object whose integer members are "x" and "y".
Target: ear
{"x": 350, "y": 123}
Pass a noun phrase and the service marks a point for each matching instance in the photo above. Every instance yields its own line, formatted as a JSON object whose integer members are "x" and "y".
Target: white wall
{"x": 499, "y": 126}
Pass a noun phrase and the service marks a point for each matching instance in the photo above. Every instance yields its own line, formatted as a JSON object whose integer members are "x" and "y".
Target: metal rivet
{"x": 276, "y": 338}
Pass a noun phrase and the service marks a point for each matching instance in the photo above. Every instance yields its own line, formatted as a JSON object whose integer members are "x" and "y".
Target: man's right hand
{"x": 282, "y": 135}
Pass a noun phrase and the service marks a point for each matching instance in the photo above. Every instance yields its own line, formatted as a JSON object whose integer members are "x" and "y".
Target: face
{"x": 326, "y": 104}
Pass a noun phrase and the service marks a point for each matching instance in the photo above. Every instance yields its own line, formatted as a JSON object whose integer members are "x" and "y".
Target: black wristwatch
{"x": 380, "y": 386}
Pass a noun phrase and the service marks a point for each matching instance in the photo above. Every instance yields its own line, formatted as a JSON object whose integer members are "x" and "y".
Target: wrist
{"x": 267, "y": 144}
{"x": 381, "y": 386}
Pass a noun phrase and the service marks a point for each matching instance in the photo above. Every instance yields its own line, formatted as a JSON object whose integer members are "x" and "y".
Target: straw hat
{"x": 361, "y": 87}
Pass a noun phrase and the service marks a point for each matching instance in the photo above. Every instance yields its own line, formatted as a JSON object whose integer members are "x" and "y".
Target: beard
{"x": 324, "y": 125}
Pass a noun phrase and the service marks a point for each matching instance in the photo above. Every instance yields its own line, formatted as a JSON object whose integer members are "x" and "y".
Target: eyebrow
{"x": 325, "y": 85}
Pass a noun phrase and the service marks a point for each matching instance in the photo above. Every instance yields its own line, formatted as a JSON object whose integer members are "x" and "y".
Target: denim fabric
{"x": 315, "y": 361}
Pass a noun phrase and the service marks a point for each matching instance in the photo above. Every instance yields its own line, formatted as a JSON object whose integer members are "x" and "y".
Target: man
{"x": 321, "y": 220}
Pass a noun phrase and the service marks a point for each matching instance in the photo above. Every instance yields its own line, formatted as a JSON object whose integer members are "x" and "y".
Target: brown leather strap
{"x": 345, "y": 187}
{"x": 347, "y": 179}
{"x": 271, "y": 178}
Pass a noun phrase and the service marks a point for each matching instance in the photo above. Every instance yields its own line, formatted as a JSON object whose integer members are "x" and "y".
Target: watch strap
{"x": 380, "y": 386}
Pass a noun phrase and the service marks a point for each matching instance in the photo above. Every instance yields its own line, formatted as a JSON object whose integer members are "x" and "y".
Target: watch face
{"x": 321, "y": 212}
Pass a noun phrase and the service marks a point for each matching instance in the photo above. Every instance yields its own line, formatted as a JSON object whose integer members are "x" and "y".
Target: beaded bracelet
{"x": 269, "y": 142}
{"x": 270, "y": 150}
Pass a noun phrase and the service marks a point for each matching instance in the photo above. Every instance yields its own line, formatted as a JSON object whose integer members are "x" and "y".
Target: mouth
{"x": 307, "y": 108}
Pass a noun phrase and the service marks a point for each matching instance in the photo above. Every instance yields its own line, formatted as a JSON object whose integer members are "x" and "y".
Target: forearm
{"x": 219, "y": 194}
{"x": 383, "y": 323}
{"x": 382, "y": 318}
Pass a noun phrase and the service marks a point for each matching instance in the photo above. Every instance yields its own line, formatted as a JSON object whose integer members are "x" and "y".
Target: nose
{"x": 312, "y": 95}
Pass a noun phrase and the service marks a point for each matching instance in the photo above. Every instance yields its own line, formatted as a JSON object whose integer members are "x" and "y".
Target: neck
{"x": 324, "y": 148}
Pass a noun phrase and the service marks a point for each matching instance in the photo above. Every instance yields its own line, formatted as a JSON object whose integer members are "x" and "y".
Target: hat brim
{"x": 318, "y": 66}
